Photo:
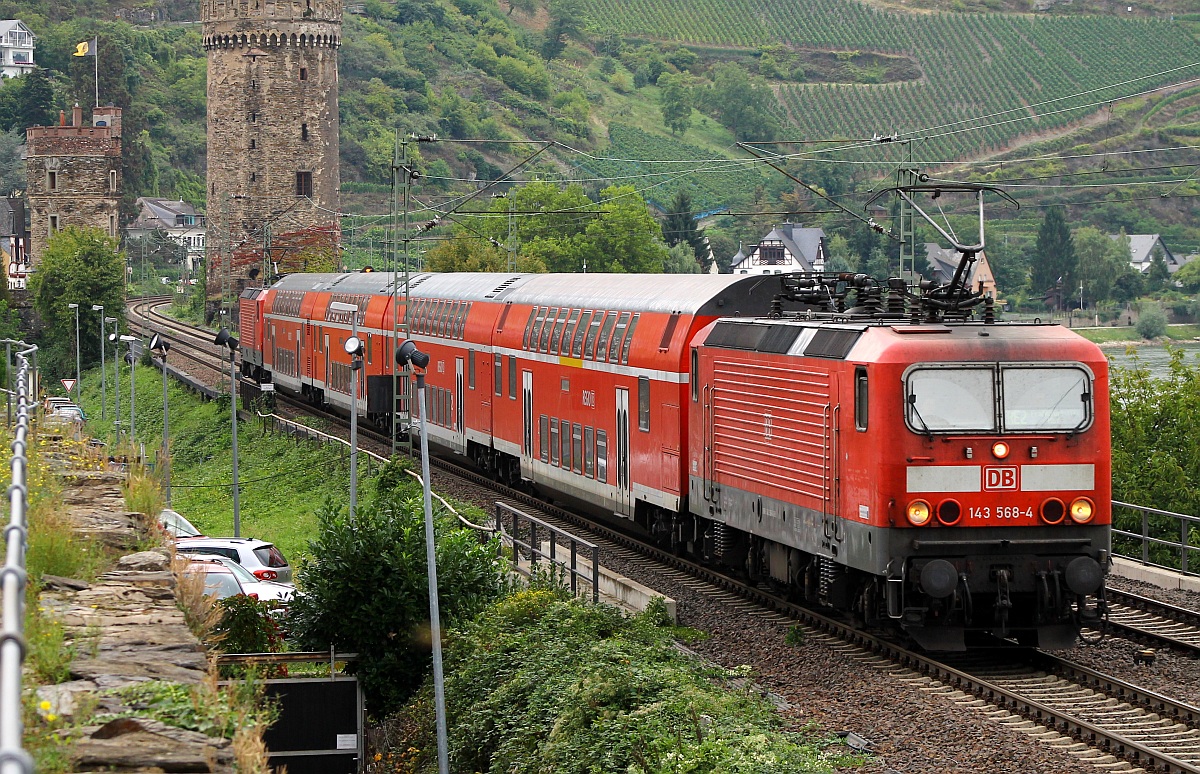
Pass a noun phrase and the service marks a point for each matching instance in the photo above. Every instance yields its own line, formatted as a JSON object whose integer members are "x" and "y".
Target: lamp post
{"x": 132, "y": 390}
{"x": 103, "y": 376}
{"x": 76, "y": 308}
{"x": 408, "y": 353}
{"x": 224, "y": 339}
{"x": 113, "y": 337}
{"x": 354, "y": 348}
{"x": 160, "y": 347}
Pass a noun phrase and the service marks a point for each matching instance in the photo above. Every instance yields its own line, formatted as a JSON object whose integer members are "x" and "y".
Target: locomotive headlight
{"x": 1000, "y": 450}
{"x": 1082, "y": 510}
{"x": 918, "y": 513}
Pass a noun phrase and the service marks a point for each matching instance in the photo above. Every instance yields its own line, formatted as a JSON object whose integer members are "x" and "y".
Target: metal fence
{"x": 512, "y": 525}
{"x": 1163, "y": 540}
{"x": 13, "y": 757}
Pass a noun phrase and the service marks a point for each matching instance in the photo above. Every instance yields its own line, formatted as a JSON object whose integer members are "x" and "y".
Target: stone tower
{"x": 73, "y": 176}
{"x": 273, "y": 171}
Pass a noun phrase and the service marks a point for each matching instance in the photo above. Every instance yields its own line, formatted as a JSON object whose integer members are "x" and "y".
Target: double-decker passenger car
{"x": 896, "y": 458}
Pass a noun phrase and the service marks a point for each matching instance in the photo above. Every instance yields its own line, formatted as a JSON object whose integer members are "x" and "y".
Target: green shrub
{"x": 1152, "y": 322}
{"x": 542, "y": 683}
{"x": 365, "y": 591}
{"x": 247, "y": 626}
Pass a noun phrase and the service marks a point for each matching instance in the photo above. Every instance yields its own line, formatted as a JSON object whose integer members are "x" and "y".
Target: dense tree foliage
{"x": 365, "y": 590}
{"x": 78, "y": 266}
{"x": 745, "y": 105}
{"x": 1101, "y": 263}
{"x": 1054, "y": 264}
{"x": 675, "y": 100}
{"x": 680, "y": 225}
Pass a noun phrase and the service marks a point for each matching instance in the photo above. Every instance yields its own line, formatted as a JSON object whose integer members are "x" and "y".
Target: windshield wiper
{"x": 912, "y": 401}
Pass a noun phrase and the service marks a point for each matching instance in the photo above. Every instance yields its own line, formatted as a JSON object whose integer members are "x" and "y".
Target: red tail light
{"x": 266, "y": 575}
{"x": 252, "y": 596}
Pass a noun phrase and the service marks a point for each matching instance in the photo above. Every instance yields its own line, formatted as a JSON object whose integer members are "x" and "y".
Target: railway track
{"x": 1110, "y": 722}
{"x": 1159, "y": 623}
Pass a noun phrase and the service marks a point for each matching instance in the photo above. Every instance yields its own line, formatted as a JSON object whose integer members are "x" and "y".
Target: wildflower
{"x": 378, "y": 756}
{"x": 51, "y": 718}
{"x": 44, "y": 706}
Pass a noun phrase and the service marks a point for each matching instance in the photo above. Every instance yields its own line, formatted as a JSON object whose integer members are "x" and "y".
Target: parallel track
{"x": 1045, "y": 697}
{"x": 1159, "y": 623}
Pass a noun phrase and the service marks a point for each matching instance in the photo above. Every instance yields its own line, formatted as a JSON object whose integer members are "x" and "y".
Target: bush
{"x": 365, "y": 591}
{"x": 1152, "y": 322}
{"x": 612, "y": 694}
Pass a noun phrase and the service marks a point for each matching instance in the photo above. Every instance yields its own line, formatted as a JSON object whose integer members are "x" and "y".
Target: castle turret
{"x": 273, "y": 172}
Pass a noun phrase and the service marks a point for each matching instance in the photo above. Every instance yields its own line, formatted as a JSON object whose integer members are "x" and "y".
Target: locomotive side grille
{"x": 772, "y": 429}
{"x": 832, "y": 343}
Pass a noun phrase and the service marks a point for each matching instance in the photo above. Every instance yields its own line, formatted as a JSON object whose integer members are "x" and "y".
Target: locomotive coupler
{"x": 967, "y": 601}
{"x": 1003, "y": 601}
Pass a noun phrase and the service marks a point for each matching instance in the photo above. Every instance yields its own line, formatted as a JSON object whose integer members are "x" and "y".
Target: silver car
{"x": 261, "y": 558}
{"x": 265, "y": 591}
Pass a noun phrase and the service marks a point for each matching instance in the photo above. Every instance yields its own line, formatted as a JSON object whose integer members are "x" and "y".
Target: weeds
{"x": 47, "y": 652}
{"x": 200, "y": 610}
{"x": 143, "y": 492}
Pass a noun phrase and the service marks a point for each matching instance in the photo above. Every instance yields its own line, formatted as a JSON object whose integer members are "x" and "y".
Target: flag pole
{"x": 96, "y": 66}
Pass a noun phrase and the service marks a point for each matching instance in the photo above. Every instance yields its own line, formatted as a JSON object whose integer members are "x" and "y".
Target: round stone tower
{"x": 273, "y": 172}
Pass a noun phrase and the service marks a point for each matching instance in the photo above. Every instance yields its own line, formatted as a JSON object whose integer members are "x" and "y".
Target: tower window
{"x": 53, "y": 224}
{"x": 253, "y": 144}
{"x": 304, "y": 73}
{"x": 254, "y": 118}
{"x": 112, "y": 225}
{"x": 304, "y": 183}
{"x": 112, "y": 181}
{"x": 304, "y": 132}
{"x": 52, "y": 181}
{"x": 253, "y": 176}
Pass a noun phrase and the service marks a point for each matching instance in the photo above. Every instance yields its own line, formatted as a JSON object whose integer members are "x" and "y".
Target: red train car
{"x": 910, "y": 464}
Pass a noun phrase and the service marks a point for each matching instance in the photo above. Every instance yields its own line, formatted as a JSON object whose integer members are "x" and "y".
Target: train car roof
{"x": 713, "y": 294}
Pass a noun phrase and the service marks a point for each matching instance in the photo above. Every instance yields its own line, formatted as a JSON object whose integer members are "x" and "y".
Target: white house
{"x": 16, "y": 48}
{"x": 788, "y": 248}
{"x": 177, "y": 219}
{"x": 1144, "y": 247}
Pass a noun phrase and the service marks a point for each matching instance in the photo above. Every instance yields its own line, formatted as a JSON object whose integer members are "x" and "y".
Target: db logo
{"x": 999, "y": 478}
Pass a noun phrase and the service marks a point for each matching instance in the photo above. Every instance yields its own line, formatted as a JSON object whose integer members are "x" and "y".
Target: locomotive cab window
{"x": 954, "y": 399}
{"x": 1045, "y": 398}
{"x": 860, "y": 397}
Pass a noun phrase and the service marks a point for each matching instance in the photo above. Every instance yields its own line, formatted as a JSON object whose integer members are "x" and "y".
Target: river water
{"x": 1154, "y": 356}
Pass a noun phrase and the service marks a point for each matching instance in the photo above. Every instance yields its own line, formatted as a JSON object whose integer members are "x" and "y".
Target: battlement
{"x": 73, "y": 141}
{"x": 271, "y": 10}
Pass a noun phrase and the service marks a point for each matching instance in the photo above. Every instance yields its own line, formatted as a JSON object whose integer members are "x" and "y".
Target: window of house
{"x": 112, "y": 225}
{"x": 304, "y": 184}
{"x": 112, "y": 181}
{"x": 52, "y": 180}
{"x": 253, "y": 176}
{"x": 254, "y": 118}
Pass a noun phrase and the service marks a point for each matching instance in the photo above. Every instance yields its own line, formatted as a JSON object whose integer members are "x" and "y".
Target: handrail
{"x": 14, "y": 759}
{"x": 534, "y": 547}
{"x": 1182, "y": 544}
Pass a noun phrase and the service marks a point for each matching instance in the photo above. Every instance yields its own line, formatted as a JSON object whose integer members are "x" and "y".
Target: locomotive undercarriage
{"x": 942, "y": 595}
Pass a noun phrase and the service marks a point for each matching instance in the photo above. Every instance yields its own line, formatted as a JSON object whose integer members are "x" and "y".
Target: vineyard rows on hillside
{"x": 976, "y": 66}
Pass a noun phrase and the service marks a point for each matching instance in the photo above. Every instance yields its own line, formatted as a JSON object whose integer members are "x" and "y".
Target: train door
{"x": 527, "y": 422}
{"x": 708, "y": 484}
{"x": 325, "y": 351}
{"x": 308, "y": 353}
{"x": 624, "y": 501}
{"x": 459, "y": 441}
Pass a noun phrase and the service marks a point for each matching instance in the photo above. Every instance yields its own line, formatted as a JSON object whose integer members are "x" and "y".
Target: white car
{"x": 175, "y": 525}
{"x": 261, "y": 558}
{"x": 264, "y": 591}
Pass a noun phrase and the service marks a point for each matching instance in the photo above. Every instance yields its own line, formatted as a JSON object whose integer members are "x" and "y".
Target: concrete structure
{"x": 787, "y": 248}
{"x": 273, "y": 172}
{"x": 943, "y": 262}
{"x": 73, "y": 176}
{"x": 16, "y": 48}
{"x": 177, "y": 220}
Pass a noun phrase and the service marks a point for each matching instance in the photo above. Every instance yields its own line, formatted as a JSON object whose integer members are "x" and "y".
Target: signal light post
{"x": 132, "y": 390}
{"x": 224, "y": 339}
{"x": 161, "y": 346}
{"x": 408, "y": 353}
{"x": 354, "y": 348}
{"x": 103, "y": 375}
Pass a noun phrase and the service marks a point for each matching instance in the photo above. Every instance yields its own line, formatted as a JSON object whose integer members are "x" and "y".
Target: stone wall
{"x": 272, "y": 124}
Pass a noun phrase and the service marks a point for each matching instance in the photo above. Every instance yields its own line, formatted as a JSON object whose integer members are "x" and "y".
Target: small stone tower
{"x": 73, "y": 176}
{"x": 273, "y": 171}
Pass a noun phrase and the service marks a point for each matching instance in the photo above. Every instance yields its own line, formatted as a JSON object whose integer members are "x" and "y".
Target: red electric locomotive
{"x": 895, "y": 457}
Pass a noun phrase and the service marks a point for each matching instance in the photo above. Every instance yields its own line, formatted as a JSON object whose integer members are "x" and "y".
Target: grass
{"x": 282, "y": 482}
{"x": 1130, "y": 334}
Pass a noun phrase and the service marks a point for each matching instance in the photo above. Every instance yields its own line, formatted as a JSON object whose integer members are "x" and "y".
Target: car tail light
{"x": 266, "y": 575}
{"x": 1082, "y": 510}
{"x": 252, "y": 595}
{"x": 918, "y": 513}
{"x": 1052, "y": 510}
{"x": 949, "y": 512}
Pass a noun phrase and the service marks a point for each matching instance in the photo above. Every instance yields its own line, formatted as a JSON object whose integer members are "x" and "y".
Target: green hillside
{"x": 986, "y": 79}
